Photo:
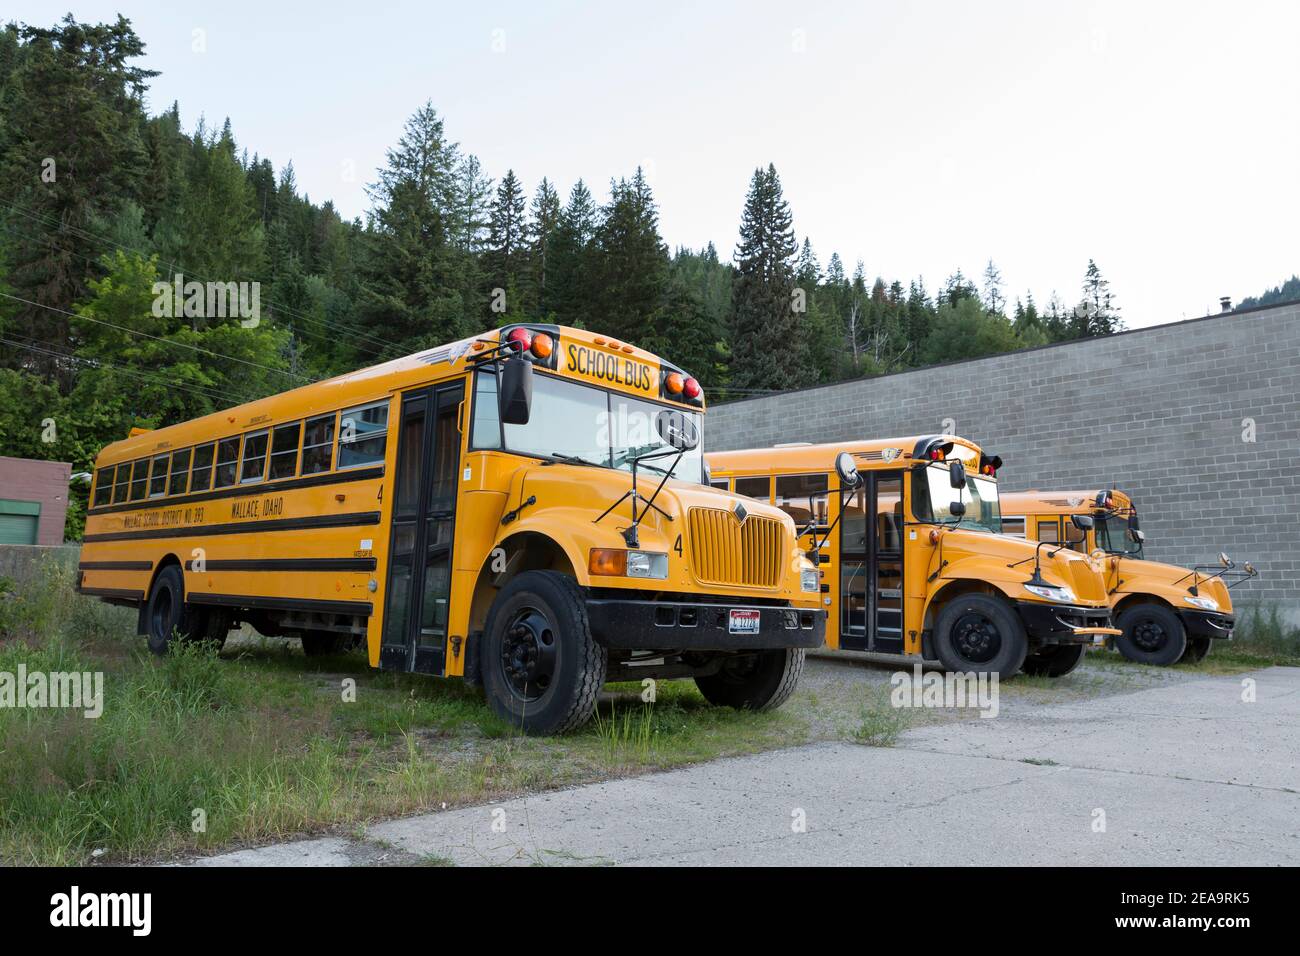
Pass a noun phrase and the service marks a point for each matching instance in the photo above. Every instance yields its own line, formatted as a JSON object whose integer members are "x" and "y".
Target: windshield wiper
{"x": 570, "y": 460}
{"x": 629, "y": 453}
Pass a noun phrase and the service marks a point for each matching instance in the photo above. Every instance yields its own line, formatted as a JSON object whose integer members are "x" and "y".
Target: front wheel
{"x": 980, "y": 633}
{"x": 760, "y": 681}
{"x": 542, "y": 669}
{"x": 1055, "y": 660}
{"x": 1153, "y": 634}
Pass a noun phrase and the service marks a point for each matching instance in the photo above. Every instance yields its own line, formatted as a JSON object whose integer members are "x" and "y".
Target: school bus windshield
{"x": 1113, "y": 538}
{"x": 589, "y": 425}
{"x": 980, "y": 496}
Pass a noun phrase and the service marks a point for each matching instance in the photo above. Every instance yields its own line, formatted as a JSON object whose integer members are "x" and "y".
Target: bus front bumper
{"x": 674, "y": 625}
{"x": 1065, "y": 623}
{"x": 1207, "y": 624}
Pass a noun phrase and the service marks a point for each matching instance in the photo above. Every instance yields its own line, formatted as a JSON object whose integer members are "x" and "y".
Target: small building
{"x": 33, "y": 500}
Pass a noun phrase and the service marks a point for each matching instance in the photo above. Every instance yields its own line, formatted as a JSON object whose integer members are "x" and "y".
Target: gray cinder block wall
{"x": 1198, "y": 420}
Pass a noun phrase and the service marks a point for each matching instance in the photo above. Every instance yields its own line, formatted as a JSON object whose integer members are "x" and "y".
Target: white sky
{"x": 1160, "y": 139}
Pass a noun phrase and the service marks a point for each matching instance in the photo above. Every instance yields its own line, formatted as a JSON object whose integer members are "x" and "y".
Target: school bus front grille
{"x": 727, "y": 552}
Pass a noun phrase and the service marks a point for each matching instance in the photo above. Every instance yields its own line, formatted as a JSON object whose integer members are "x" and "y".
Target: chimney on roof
{"x": 1225, "y": 303}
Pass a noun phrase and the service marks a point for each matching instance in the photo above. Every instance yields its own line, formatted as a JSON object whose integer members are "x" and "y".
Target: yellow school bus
{"x": 929, "y": 572}
{"x": 1167, "y": 613}
{"x": 525, "y": 510}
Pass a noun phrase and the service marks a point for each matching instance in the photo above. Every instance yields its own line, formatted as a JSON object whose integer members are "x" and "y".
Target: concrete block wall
{"x": 1165, "y": 413}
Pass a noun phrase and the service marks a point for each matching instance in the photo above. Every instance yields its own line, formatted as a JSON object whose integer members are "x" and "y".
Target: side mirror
{"x": 847, "y": 470}
{"x": 515, "y": 401}
{"x": 1082, "y": 522}
{"x": 957, "y": 475}
{"x": 1100, "y": 501}
{"x": 1250, "y": 569}
{"x": 957, "y": 509}
{"x": 708, "y": 474}
{"x": 1133, "y": 524}
{"x": 677, "y": 431}
{"x": 1225, "y": 560}
{"x": 1136, "y": 535}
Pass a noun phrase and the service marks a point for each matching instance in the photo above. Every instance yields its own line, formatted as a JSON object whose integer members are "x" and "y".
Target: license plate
{"x": 744, "y": 622}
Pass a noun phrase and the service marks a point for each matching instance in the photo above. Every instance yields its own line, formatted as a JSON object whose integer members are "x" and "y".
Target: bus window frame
{"x": 211, "y": 466}
{"x": 387, "y": 403}
{"x": 217, "y": 463}
{"x": 166, "y": 459}
{"x": 771, "y": 484}
{"x": 295, "y": 452}
{"x": 99, "y": 486}
{"x": 243, "y": 461}
{"x": 184, "y": 475}
{"x": 825, "y": 495}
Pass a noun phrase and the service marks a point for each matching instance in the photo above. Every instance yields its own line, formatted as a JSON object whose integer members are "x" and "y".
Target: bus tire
{"x": 542, "y": 670}
{"x": 325, "y": 643}
{"x": 980, "y": 633}
{"x": 1053, "y": 660}
{"x": 760, "y": 681}
{"x": 1153, "y": 634}
{"x": 1197, "y": 648}
{"x": 167, "y": 616}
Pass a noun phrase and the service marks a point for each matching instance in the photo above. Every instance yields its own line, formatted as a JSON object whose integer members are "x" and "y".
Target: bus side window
{"x": 122, "y": 483}
{"x": 1077, "y": 538}
{"x": 486, "y": 430}
{"x": 180, "y": 471}
{"x": 724, "y": 484}
{"x": 760, "y": 487}
{"x": 201, "y": 478}
{"x": 158, "y": 478}
{"x": 363, "y": 435}
{"x": 227, "y": 462}
{"x": 1049, "y": 530}
{"x": 284, "y": 450}
{"x": 139, "y": 479}
{"x": 254, "y": 458}
{"x": 103, "y": 486}
{"x": 793, "y": 494}
{"x": 318, "y": 445}
{"x": 1015, "y": 526}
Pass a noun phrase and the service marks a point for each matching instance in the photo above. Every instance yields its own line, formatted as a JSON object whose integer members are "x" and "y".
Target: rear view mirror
{"x": 1101, "y": 499}
{"x": 957, "y": 509}
{"x": 1225, "y": 560}
{"x": 1135, "y": 535}
{"x": 677, "y": 430}
{"x": 847, "y": 470}
{"x": 957, "y": 475}
{"x": 1082, "y": 522}
{"x": 515, "y": 401}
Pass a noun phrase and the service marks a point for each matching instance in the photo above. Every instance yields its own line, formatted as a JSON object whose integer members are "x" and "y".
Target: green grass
{"x": 1260, "y": 639}
{"x": 262, "y": 741}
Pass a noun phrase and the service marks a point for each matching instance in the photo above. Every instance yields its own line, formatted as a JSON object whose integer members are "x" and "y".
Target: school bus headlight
{"x": 647, "y": 564}
{"x": 1064, "y": 595}
{"x": 1202, "y": 601}
{"x": 809, "y": 579}
{"x": 615, "y": 562}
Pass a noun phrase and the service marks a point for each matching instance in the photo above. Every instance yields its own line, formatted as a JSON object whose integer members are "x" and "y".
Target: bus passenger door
{"x": 424, "y": 512}
{"x": 871, "y": 566}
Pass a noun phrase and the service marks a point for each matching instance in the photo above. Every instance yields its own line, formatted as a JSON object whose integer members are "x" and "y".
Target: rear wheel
{"x": 168, "y": 617}
{"x": 1153, "y": 634}
{"x": 760, "y": 681}
{"x": 542, "y": 669}
{"x": 980, "y": 633}
{"x": 1055, "y": 660}
{"x": 1197, "y": 648}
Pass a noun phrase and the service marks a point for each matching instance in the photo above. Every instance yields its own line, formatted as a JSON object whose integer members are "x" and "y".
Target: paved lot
{"x": 1185, "y": 774}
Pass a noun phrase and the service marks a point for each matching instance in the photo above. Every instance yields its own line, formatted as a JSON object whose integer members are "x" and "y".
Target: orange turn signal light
{"x": 607, "y": 561}
{"x": 543, "y": 345}
{"x": 674, "y": 383}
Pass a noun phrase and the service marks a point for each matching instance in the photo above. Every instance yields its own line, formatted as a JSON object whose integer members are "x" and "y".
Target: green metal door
{"x": 19, "y": 521}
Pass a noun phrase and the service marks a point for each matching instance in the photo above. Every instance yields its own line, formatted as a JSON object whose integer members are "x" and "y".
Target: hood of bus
{"x": 1168, "y": 582}
{"x": 983, "y": 556}
{"x": 710, "y": 547}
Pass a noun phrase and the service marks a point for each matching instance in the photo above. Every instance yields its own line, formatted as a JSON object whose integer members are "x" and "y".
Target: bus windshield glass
{"x": 1112, "y": 537}
{"x": 587, "y": 424}
{"x": 980, "y": 496}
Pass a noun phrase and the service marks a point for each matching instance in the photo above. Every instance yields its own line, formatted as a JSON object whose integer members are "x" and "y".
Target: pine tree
{"x": 507, "y": 247}
{"x": 1096, "y": 313}
{"x": 630, "y": 265}
{"x": 766, "y": 343}
{"x": 571, "y": 258}
{"x": 993, "y": 299}
{"x": 544, "y": 220}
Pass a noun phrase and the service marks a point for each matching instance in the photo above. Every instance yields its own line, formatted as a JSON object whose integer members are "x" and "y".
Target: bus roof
{"x": 578, "y": 353}
{"x": 1034, "y": 502}
{"x": 873, "y": 453}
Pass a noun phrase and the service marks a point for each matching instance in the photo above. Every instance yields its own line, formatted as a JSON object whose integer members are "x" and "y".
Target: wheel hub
{"x": 528, "y": 654}
{"x": 976, "y": 638}
{"x": 1149, "y": 635}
